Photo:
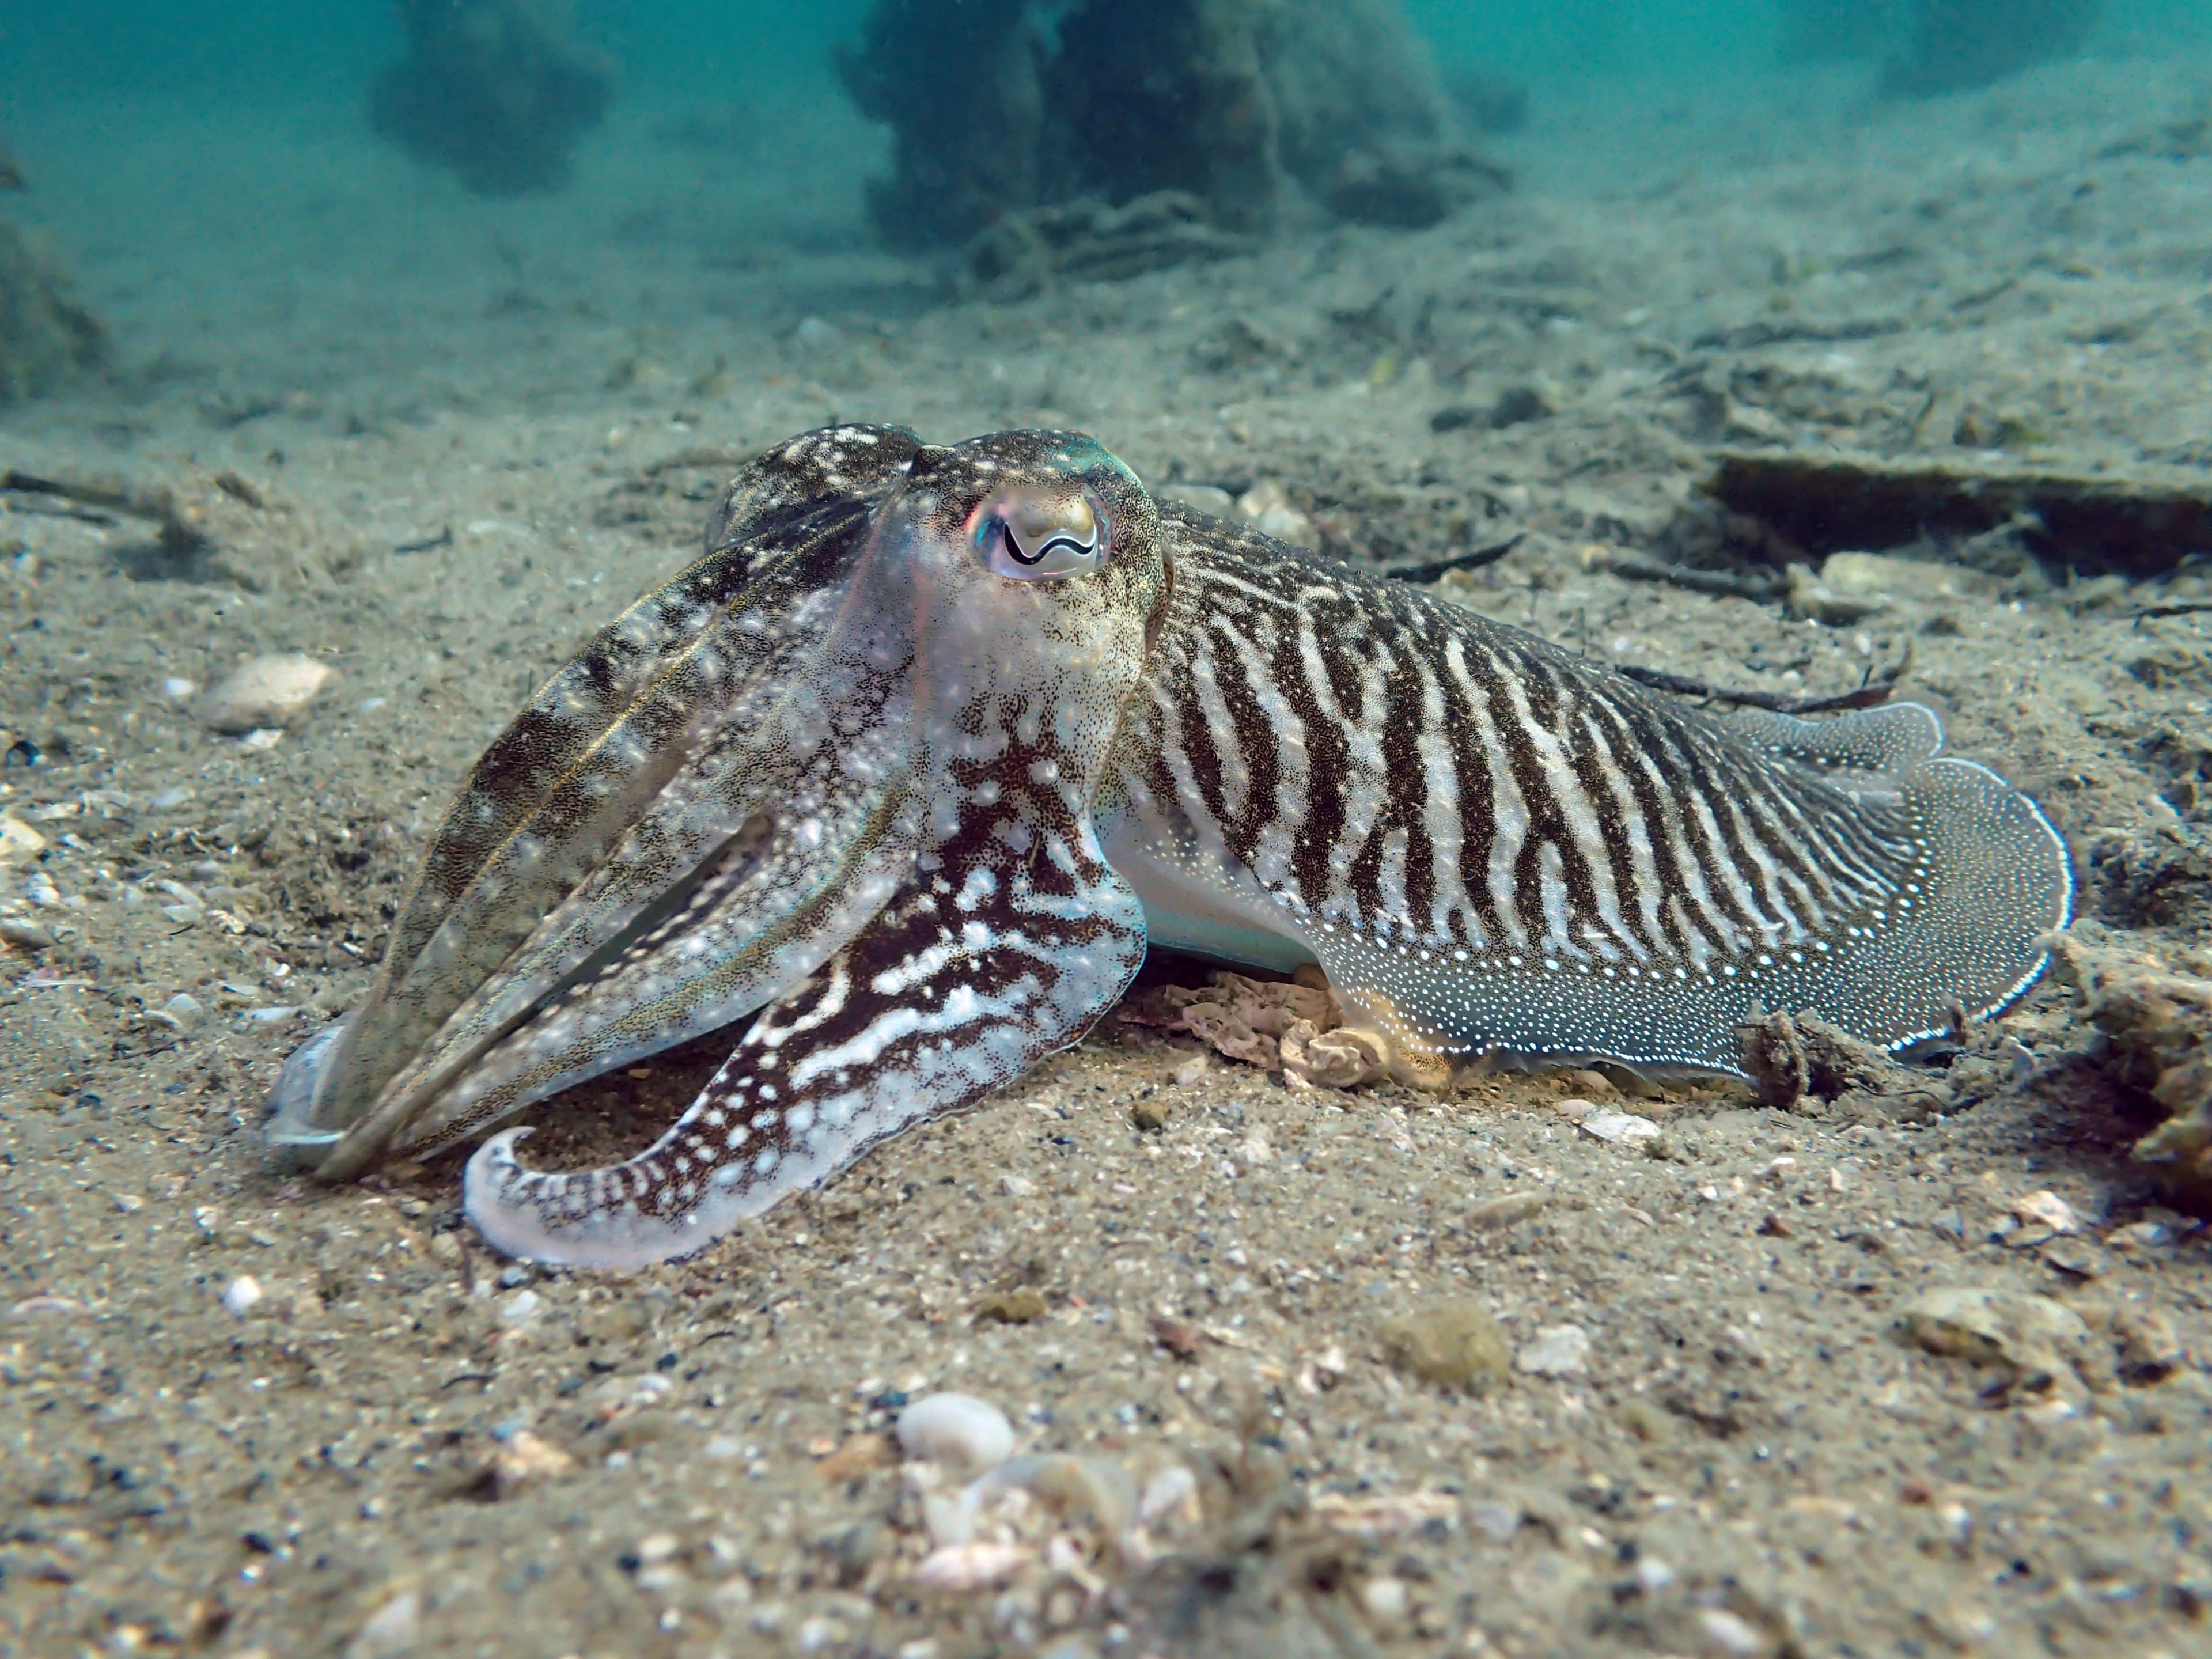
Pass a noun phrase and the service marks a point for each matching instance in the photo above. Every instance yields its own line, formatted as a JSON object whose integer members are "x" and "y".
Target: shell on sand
{"x": 264, "y": 692}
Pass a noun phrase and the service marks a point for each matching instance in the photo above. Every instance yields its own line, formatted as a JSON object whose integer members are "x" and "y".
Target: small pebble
{"x": 1023, "y": 1306}
{"x": 186, "y": 1009}
{"x": 1726, "y": 1633}
{"x": 1171, "y": 1494}
{"x": 1384, "y": 1600}
{"x": 392, "y": 1630}
{"x": 963, "y": 1567}
{"x": 521, "y": 1308}
{"x": 1558, "y": 1351}
{"x": 956, "y": 1428}
{"x": 1621, "y": 1128}
{"x": 1454, "y": 1343}
{"x": 242, "y": 1293}
{"x": 264, "y": 694}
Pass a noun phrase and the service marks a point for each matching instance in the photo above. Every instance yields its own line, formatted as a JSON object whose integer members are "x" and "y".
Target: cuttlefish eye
{"x": 1034, "y": 535}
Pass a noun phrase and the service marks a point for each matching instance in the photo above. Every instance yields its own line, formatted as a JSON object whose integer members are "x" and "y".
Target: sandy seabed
{"x": 331, "y": 360}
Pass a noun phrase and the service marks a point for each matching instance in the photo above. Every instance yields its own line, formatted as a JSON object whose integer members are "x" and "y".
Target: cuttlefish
{"x": 897, "y": 783}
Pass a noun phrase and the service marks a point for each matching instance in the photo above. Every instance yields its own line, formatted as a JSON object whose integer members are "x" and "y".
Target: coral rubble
{"x": 495, "y": 89}
{"x": 999, "y": 108}
{"x": 2157, "y": 1025}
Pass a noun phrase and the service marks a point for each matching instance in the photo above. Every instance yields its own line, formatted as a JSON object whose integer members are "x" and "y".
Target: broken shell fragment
{"x": 956, "y": 1428}
{"x": 264, "y": 694}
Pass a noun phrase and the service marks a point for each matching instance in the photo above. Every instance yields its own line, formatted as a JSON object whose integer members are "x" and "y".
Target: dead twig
{"x": 1730, "y": 583}
{"x": 1435, "y": 569}
{"x": 2178, "y": 607}
{"x": 1872, "y": 691}
{"x": 181, "y": 540}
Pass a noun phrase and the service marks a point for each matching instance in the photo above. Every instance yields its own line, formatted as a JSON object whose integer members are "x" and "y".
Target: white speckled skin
{"x": 909, "y": 767}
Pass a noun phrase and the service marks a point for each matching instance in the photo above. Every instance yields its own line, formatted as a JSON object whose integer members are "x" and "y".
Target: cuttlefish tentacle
{"x": 1014, "y": 937}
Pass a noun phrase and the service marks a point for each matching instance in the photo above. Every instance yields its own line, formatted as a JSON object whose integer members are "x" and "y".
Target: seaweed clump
{"x": 1002, "y": 107}
{"x": 46, "y": 335}
{"x": 497, "y": 90}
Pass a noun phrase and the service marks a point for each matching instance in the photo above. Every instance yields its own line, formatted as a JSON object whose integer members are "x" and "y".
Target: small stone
{"x": 1084, "y": 1492}
{"x": 2150, "y": 1350}
{"x": 1179, "y": 1337}
{"x": 1496, "y": 1520}
{"x": 2140, "y": 1236}
{"x": 956, "y": 1428}
{"x": 1454, "y": 1343}
{"x": 522, "y": 1460}
{"x": 241, "y": 1294}
{"x": 960, "y": 1568}
{"x": 1534, "y": 400}
{"x": 1385, "y": 1515}
{"x": 1619, "y": 1127}
{"x": 858, "y": 1454}
{"x": 1170, "y": 1495}
{"x": 19, "y": 843}
{"x": 264, "y": 694}
{"x": 1558, "y": 1351}
{"x": 25, "y": 934}
{"x": 2046, "y": 1209}
{"x": 1505, "y": 1211}
{"x": 520, "y": 1308}
{"x": 392, "y": 1630}
{"x": 186, "y": 1009}
{"x": 1267, "y": 507}
{"x": 1385, "y": 1600}
{"x": 2032, "y": 1337}
{"x": 1731, "y": 1635}
{"x": 1022, "y": 1306}
{"x": 1151, "y": 1114}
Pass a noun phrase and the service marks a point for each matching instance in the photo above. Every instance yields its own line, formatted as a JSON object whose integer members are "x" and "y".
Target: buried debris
{"x": 1025, "y": 251}
{"x": 1792, "y": 1059}
{"x": 1296, "y": 1027}
{"x": 1807, "y": 506}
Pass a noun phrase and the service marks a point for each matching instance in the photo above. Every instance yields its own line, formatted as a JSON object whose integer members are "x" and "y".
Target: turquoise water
{"x": 231, "y": 48}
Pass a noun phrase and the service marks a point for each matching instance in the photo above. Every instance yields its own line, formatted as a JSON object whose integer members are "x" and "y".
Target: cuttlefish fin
{"x": 966, "y": 979}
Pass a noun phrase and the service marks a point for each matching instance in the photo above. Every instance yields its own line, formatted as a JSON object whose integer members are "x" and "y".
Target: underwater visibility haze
{"x": 1157, "y": 827}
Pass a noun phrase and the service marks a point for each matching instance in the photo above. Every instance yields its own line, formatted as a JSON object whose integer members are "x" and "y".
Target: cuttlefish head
{"x": 736, "y": 777}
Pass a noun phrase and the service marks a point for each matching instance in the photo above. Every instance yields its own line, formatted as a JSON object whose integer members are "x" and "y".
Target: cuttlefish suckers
{"x": 897, "y": 782}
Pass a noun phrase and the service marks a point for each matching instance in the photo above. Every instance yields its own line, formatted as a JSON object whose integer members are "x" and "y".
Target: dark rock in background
{"x": 1230, "y": 103}
{"x": 495, "y": 89}
{"x": 1490, "y": 103}
{"x": 46, "y": 335}
{"x": 1932, "y": 46}
{"x": 1957, "y": 44}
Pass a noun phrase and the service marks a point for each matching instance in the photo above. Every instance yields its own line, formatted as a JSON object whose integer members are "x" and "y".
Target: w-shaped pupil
{"x": 1063, "y": 540}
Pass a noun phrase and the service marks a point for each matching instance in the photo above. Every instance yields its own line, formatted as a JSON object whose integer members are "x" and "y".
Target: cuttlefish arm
{"x": 640, "y": 778}
{"x": 876, "y": 837}
{"x": 1008, "y": 946}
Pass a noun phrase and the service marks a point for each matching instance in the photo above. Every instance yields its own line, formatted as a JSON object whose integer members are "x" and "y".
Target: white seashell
{"x": 970, "y": 1566}
{"x": 242, "y": 1293}
{"x": 265, "y": 694}
{"x": 957, "y": 1428}
{"x": 1172, "y": 1492}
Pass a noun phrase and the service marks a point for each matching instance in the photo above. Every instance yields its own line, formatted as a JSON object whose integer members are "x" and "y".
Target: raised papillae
{"x": 897, "y": 782}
